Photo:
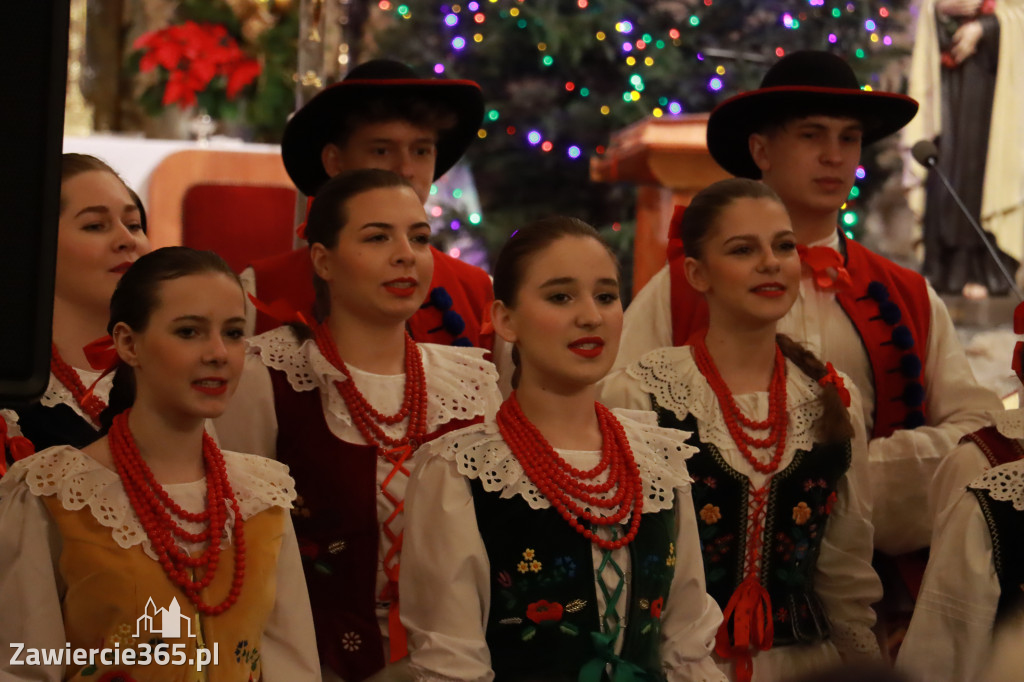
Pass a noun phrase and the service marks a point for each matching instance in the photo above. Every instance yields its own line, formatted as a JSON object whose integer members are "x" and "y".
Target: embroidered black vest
{"x": 543, "y": 609}
{"x": 1006, "y": 527}
{"x": 800, "y": 499}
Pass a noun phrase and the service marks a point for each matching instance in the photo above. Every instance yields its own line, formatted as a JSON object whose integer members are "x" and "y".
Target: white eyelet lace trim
{"x": 672, "y": 377}
{"x": 855, "y": 641}
{"x": 460, "y": 383}
{"x": 58, "y": 394}
{"x": 1010, "y": 423}
{"x": 480, "y": 453}
{"x": 11, "y": 417}
{"x": 79, "y": 481}
{"x": 1004, "y": 483}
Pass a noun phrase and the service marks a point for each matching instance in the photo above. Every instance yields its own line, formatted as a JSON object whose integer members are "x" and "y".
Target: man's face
{"x": 810, "y": 162}
{"x": 399, "y": 146}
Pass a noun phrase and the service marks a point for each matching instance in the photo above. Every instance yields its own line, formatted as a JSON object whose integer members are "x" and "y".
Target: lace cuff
{"x": 1010, "y": 423}
{"x": 1004, "y": 483}
{"x": 855, "y": 642}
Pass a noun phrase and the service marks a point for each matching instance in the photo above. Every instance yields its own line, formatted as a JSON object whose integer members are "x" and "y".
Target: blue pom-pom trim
{"x": 453, "y": 322}
{"x": 914, "y": 419}
{"x": 878, "y": 291}
{"x": 902, "y": 338}
{"x": 440, "y": 298}
{"x": 889, "y": 313}
{"x": 913, "y": 394}
{"x": 910, "y": 366}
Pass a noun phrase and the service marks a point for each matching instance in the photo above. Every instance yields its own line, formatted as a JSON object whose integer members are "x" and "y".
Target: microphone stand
{"x": 933, "y": 165}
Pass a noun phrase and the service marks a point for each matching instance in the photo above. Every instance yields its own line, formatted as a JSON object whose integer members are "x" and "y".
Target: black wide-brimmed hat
{"x": 799, "y": 84}
{"x": 318, "y": 122}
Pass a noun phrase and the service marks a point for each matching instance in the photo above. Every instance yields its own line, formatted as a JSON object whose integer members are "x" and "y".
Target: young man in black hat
{"x": 381, "y": 115}
{"x": 801, "y": 133}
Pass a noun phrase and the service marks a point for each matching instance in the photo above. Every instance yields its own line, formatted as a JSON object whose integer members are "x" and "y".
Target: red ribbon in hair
{"x": 746, "y": 627}
{"x": 826, "y": 266}
{"x": 832, "y": 378}
{"x": 19, "y": 447}
{"x": 300, "y": 231}
{"x": 279, "y": 310}
{"x": 102, "y": 355}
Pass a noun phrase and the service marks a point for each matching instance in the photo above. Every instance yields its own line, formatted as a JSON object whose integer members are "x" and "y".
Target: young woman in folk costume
{"x": 346, "y": 404}
{"x": 778, "y": 478}
{"x": 557, "y": 541}
{"x": 153, "y": 516}
{"x": 102, "y": 230}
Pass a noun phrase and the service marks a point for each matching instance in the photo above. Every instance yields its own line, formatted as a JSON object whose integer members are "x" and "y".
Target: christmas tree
{"x": 560, "y": 76}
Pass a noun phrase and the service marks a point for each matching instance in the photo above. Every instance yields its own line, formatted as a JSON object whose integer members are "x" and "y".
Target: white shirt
{"x": 900, "y": 466}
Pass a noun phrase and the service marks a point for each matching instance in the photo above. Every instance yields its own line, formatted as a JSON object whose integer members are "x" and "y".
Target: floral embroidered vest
{"x": 1006, "y": 527}
{"x": 335, "y": 518}
{"x": 108, "y": 588}
{"x": 543, "y": 614}
{"x": 800, "y": 499}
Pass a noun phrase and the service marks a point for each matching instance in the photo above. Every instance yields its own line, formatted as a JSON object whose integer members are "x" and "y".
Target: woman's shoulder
{"x": 259, "y": 482}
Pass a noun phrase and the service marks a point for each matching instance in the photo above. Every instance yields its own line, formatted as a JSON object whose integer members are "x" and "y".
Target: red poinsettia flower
{"x": 244, "y": 72}
{"x": 194, "y": 58}
{"x": 540, "y": 611}
{"x": 656, "y": 606}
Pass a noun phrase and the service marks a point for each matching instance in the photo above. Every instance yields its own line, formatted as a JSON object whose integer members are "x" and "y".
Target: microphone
{"x": 927, "y": 154}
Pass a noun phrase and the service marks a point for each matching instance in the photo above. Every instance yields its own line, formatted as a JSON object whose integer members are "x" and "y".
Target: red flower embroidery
{"x": 540, "y": 611}
{"x": 656, "y": 607}
{"x": 830, "y": 502}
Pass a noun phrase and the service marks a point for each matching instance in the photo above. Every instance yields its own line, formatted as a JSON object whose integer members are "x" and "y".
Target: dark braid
{"x": 834, "y": 425}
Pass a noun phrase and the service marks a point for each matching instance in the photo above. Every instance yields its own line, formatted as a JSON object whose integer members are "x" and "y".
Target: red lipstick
{"x": 769, "y": 290}
{"x": 403, "y": 287}
{"x": 595, "y": 346}
{"x": 122, "y": 267}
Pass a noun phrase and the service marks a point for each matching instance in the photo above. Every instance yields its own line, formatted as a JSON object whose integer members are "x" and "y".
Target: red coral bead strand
{"x": 561, "y": 483}
{"x": 155, "y": 510}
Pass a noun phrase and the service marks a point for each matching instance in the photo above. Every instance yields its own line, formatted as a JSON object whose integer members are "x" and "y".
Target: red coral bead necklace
{"x": 778, "y": 415}
{"x": 566, "y": 487}
{"x": 157, "y": 513}
{"x": 91, "y": 405}
{"x": 367, "y": 419}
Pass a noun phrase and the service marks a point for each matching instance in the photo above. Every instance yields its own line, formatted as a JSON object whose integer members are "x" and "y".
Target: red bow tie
{"x": 826, "y": 266}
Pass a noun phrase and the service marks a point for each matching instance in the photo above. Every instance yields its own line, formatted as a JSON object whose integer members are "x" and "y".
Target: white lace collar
{"x": 58, "y": 394}
{"x": 79, "y": 481}
{"x": 1010, "y": 423}
{"x": 672, "y": 377}
{"x": 460, "y": 383}
{"x": 480, "y": 453}
{"x": 1004, "y": 483}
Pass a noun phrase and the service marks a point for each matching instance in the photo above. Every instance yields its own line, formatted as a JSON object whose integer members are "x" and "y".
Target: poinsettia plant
{"x": 193, "y": 64}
